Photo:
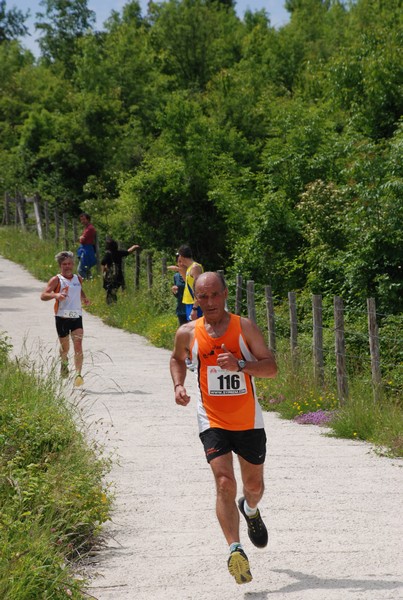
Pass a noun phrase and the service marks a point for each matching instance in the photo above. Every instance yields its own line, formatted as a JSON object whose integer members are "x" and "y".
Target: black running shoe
{"x": 256, "y": 528}
{"x": 238, "y": 566}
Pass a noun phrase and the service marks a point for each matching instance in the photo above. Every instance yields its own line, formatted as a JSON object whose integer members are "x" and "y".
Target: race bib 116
{"x": 225, "y": 383}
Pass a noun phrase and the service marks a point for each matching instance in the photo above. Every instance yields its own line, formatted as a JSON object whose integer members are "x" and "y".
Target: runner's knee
{"x": 254, "y": 487}
{"x": 226, "y": 486}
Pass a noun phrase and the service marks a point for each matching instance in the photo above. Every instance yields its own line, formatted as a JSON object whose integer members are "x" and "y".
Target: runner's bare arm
{"x": 195, "y": 271}
{"x": 264, "y": 365}
{"x": 49, "y": 292}
{"x": 177, "y": 365}
{"x": 84, "y": 298}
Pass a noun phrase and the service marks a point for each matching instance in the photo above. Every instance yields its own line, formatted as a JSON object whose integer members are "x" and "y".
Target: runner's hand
{"x": 226, "y": 360}
{"x": 181, "y": 396}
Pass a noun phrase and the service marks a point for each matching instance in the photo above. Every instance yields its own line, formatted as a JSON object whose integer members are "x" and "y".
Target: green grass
{"x": 294, "y": 393}
{"x": 379, "y": 422}
{"x": 53, "y": 499}
{"x": 26, "y": 249}
{"x": 138, "y": 312}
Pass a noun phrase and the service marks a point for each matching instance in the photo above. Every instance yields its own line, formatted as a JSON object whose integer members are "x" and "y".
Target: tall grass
{"x": 26, "y": 249}
{"x": 293, "y": 393}
{"x": 137, "y": 311}
{"x": 363, "y": 418}
{"x": 53, "y": 499}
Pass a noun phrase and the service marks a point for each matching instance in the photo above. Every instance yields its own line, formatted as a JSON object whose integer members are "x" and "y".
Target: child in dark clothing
{"x": 112, "y": 268}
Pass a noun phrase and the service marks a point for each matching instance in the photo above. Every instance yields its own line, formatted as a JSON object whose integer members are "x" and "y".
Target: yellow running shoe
{"x": 238, "y": 566}
{"x": 78, "y": 380}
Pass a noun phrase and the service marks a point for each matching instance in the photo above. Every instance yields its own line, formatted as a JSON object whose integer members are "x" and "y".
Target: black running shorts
{"x": 66, "y": 326}
{"x": 250, "y": 444}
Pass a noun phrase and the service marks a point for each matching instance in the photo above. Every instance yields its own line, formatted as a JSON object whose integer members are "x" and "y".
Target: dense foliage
{"x": 275, "y": 153}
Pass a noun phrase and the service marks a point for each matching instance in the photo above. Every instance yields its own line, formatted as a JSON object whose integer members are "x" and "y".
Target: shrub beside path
{"x": 333, "y": 507}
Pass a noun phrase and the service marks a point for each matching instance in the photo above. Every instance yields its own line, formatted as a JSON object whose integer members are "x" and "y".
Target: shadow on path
{"x": 305, "y": 581}
{"x": 11, "y": 291}
{"x": 117, "y": 393}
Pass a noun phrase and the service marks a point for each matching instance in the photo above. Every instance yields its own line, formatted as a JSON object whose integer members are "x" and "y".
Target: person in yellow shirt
{"x": 193, "y": 270}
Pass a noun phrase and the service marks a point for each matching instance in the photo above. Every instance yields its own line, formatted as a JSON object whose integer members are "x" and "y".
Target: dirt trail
{"x": 333, "y": 507}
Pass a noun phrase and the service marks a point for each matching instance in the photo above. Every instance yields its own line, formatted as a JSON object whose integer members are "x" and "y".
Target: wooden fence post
{"x": 164, "y": 266}
{"x": 318, "y": 363}
{"x": 6, "y": 215}
{"x": 293, "y": 326}
{"x": 250, "y": 294}
{"x": 150, "y": 270}
{"x": 270, "y": 318}
{"x": 37, "y": 211}
{"x": 374, "y": 348}
{"x": 221, "y": 272}
{"x": 238, "y": 295}
{"x": 57, "y": 226}
{"x": 75, "y": 234}
{"x": 342, "y": 384}
{"x": 137, "y": 269}
{"x": 98, "y": 253}
{"x": 19, "y": 199}
{"x": 66, "y": 231}
{"x": 47, "y": 219}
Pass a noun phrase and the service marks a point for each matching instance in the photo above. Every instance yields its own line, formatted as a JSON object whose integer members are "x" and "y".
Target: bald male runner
{"x": 227, "y": 351}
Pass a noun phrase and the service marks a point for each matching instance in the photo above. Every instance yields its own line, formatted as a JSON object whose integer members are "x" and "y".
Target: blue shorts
{"x": 250, "y": 444}
{"x": 189, "y": 311}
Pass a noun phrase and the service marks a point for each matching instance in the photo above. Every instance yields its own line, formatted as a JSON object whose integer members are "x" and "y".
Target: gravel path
{"x": 333, "y": 507}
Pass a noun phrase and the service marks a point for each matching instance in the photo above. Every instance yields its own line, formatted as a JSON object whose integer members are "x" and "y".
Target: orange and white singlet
{"x": 226, "y": 399}
{"x": 70, "y": 308}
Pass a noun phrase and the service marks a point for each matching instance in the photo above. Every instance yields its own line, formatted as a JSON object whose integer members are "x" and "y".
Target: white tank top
{"x": 70, "y": 308}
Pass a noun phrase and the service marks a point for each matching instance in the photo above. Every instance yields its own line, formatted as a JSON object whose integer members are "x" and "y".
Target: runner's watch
{"x": 241, "y": 364}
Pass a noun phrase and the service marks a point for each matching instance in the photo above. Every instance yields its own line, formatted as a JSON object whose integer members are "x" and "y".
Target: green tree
{"x": 194, "y": 39}
{"x": 261, "y": 232}
{"x": 12, "y": 23}
{"x": 61, "y": 25}
{"x": 168, "y": 193}
{"x": 374, "y": 256}
{"x": 118, "y": 69}
{"x": 352, "y": 232}
{"x": 322, "y": 213}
